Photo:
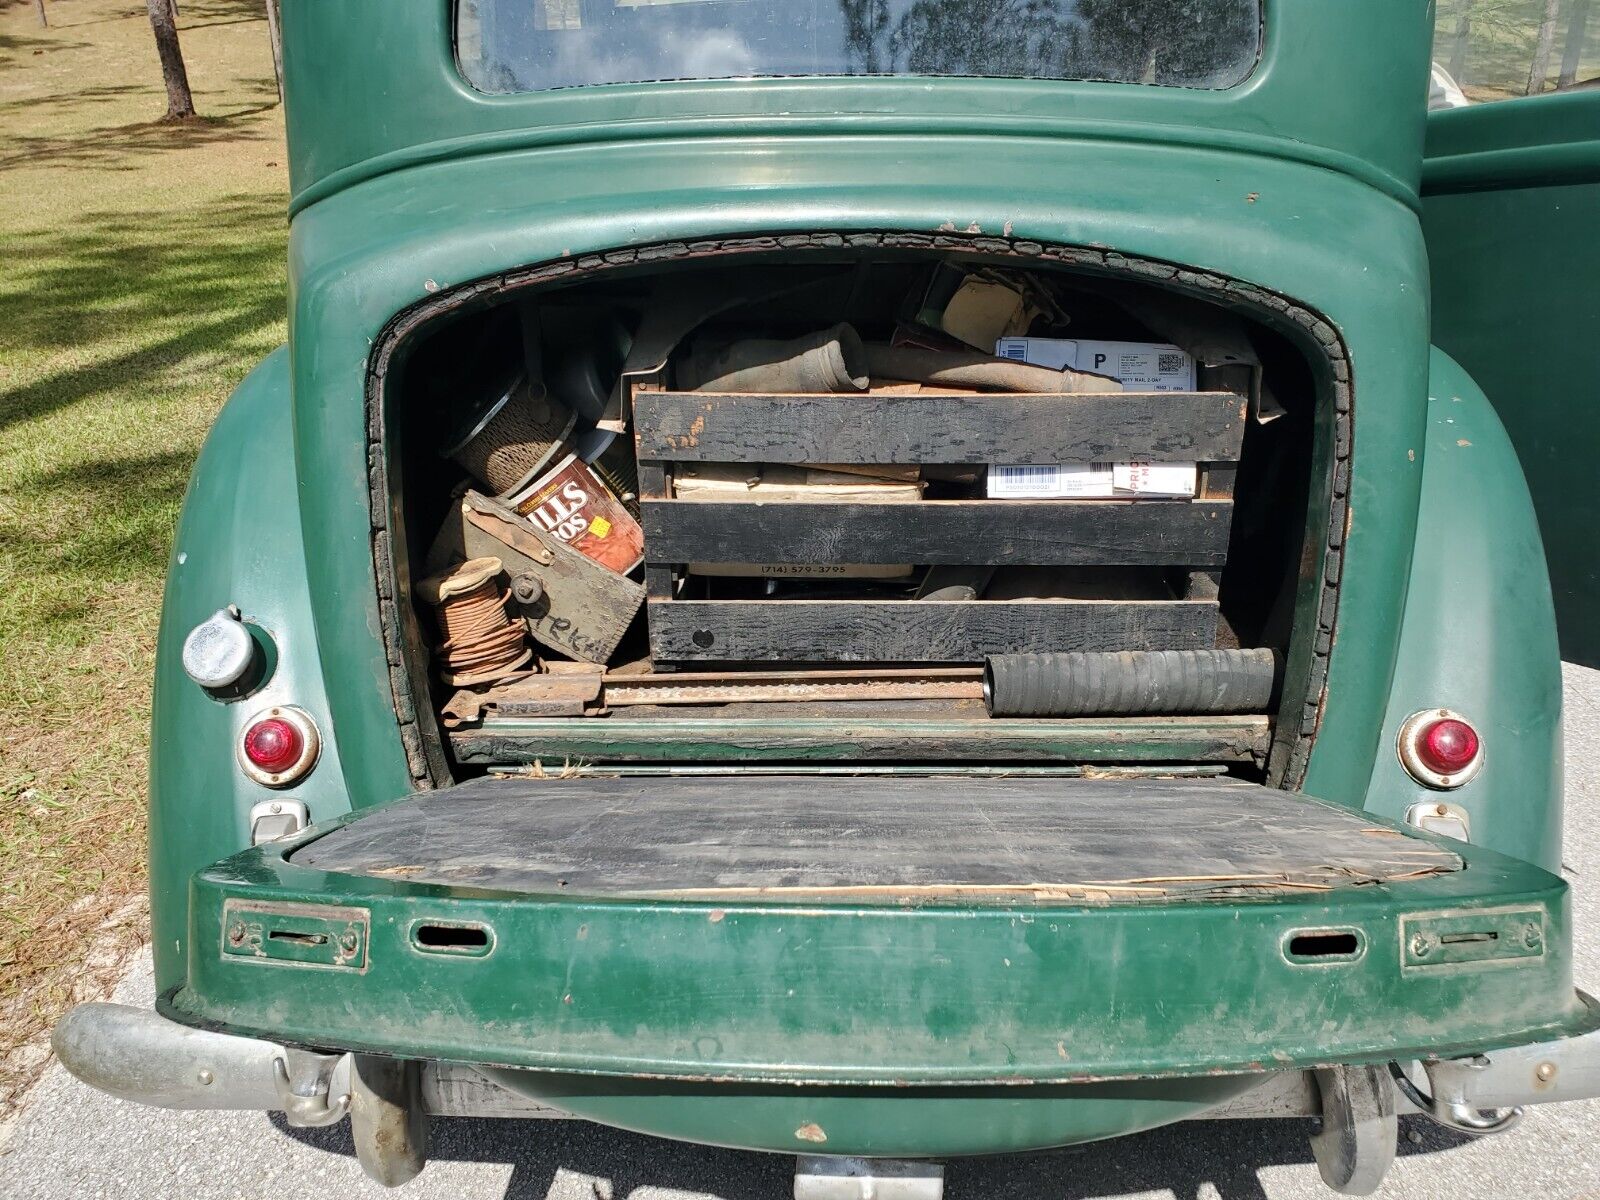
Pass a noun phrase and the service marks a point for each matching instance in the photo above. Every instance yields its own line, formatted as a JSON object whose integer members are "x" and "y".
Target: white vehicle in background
{"x": 1443, "y": 91}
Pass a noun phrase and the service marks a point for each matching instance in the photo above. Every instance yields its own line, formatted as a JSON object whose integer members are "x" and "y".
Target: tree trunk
{"x": 1572, "y": 52}
{"x": 1462, "y": 39}
{"x": 43, "y": 20}
{"x": 276, "y": 37}
{"x": 1543, "y": 47}
{"x": 180, "y": 101}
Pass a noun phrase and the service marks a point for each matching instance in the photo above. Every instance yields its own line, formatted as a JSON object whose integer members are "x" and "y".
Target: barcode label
{"x": 1092, "y": 481}
{"x": 1139, "y": 366}
{"x": 1050, "y": 482}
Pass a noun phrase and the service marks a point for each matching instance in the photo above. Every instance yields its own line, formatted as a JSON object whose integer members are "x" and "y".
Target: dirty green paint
{"x": 407, "y": 183}
{"x": 1479, "y": 632}
{"x": 842, "y": 991}
{"x": 914, "y": 1123}
{"x": 224, "y": 552}
{"x": 371, "y": 88}
{"x": 1511, "y": 214}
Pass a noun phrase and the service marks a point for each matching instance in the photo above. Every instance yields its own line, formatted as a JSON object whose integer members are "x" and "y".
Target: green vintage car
{"x": 885, "y": 579}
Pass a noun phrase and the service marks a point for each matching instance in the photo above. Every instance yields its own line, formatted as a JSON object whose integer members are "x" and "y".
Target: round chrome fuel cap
{"x": 219, "y": 651}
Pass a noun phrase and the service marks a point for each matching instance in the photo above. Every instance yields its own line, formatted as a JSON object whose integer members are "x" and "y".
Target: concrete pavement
{"x": 71, "y": 1142}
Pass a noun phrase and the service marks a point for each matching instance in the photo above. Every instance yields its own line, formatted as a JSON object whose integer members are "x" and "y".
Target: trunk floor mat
{"x": 877, "y": 840}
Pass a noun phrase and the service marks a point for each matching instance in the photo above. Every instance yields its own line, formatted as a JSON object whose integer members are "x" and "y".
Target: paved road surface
{"x": 74, "y": 1143}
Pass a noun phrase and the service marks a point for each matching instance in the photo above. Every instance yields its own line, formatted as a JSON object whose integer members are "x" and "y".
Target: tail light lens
{"x": 279, "y": 746}
{"x": 1440, "y": 749}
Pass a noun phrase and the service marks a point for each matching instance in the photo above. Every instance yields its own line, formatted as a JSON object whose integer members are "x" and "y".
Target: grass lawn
{"x": 142, "y": 275}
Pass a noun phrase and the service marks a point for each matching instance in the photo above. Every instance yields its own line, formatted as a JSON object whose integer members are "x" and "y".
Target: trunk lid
{"x": 881, "y": 931}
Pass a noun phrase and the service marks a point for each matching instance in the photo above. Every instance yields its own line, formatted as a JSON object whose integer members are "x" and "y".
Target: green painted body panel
{"x": 911, "y": 1123}
{"x": 372, "y": 87}
{"x": 224, "y": 552}
{"x": 837, "y": 993}
{"x": 407, "y": 183}
{"x": 1512, "y": 206}
{"x": 1479, "y": 631}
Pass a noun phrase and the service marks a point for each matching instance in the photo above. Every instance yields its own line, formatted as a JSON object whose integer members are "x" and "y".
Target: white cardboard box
{"x": 1141, "y": 366}
{"x": 1093, "y": 481}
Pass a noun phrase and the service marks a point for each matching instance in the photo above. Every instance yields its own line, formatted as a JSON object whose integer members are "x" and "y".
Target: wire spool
{"x": 511, "y": 434}
{"x": 482, "y": 642}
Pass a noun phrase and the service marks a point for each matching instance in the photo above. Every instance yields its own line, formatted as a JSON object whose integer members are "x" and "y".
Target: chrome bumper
{"x": 139, "y": 1055}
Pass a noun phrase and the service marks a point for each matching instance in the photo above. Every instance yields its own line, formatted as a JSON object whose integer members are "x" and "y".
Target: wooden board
{"x": 879, "y": 840}
{"x": 862, "y": 737}
{"x": 880, "y": 428}
{"x": 919, "y": 631}
{"x": 1014, "y": 532}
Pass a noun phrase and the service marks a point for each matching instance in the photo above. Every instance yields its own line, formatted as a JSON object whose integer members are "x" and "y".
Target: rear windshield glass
{"x": 534, "y": 45}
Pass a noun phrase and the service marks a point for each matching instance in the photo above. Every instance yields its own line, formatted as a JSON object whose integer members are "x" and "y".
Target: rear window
{"x": 536, "y": 45}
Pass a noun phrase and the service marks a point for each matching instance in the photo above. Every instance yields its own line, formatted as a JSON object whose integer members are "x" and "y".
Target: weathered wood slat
{"x": 720, "y": 739}
{"x": 919, "y": 631}
{"x": 1013, "y": 532}
{"x": 927, "y": 428}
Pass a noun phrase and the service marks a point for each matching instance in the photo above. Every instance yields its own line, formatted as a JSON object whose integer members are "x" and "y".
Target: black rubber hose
{"x": 1129, "y": 682}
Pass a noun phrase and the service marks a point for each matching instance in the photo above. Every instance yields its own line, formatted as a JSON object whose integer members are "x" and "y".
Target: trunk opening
{"x": 762, "y": 506}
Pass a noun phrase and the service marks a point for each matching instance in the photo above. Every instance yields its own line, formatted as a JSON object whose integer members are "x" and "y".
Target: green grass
{"x": 141, "y": 276}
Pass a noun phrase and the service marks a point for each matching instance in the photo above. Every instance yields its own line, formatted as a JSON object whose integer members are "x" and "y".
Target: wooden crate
{"x": 1188, "y": 537}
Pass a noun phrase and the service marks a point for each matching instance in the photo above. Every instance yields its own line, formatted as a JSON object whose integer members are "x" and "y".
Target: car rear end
{"x": 807, "y": 861}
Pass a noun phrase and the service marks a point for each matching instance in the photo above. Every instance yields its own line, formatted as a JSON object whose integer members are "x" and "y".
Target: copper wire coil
{"x": 481, "y": 640}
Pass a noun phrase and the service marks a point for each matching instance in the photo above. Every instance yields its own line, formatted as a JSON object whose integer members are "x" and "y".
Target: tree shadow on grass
{"x": 192, "y": 13}
{"x": 18, "y": 46}
{"x": 126, "y": 506}
{"x": 84, "y": 97}
{"x": 127, "y": 147}
{"x": 121, "y": 148}
{"x": 138, "y": 300}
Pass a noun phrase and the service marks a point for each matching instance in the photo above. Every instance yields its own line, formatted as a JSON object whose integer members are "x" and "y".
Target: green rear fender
{"x": 1479, "y": 634}
{"x": 238, "y": 542}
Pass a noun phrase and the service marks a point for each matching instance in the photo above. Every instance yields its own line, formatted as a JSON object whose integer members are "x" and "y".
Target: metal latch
{"x": 1447, "y": 820}
{"x": 272, "y": 820}
{"x": 291, "y": 934}
{"x": 1452, "y": 939}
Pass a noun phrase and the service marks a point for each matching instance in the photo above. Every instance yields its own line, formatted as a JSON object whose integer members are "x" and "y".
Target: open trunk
{"x": 849, "y": 503}
{"x": 949, "y": 963}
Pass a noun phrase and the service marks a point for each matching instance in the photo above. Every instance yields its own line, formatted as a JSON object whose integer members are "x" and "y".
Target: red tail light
{"x": 1440, "y": 748}
{"x": 273, "y": 745}
{"x": 1448, "y": 746}
{"x": 279, "y": 746}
